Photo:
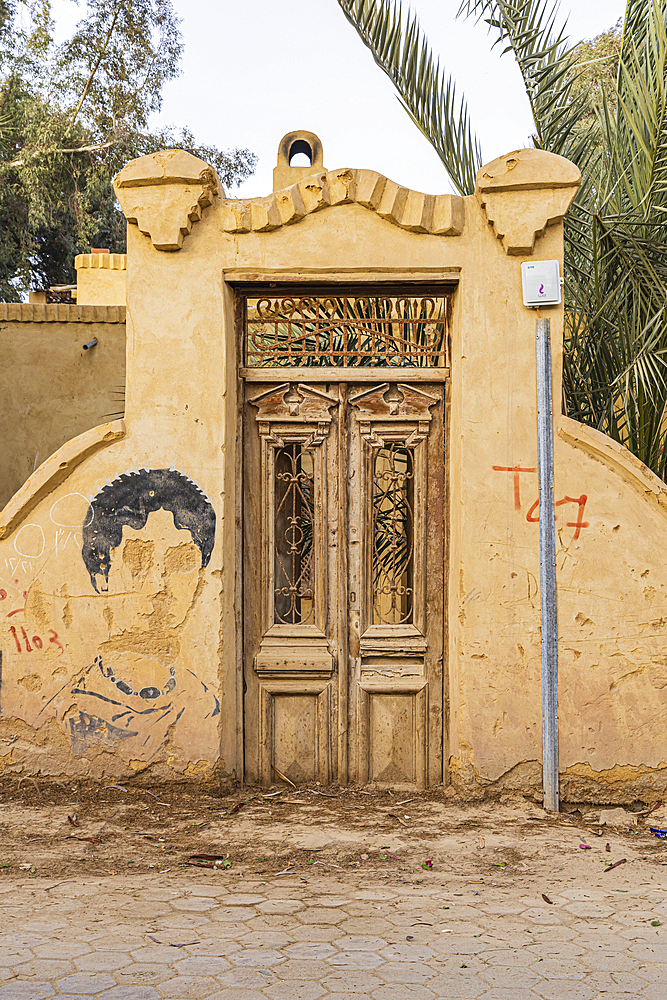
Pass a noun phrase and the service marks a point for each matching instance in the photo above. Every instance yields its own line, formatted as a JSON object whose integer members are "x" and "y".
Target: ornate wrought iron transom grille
{"x": 392, "y": 535}
{"x": 293, "y": 548}
{"x": 347, "y": 331}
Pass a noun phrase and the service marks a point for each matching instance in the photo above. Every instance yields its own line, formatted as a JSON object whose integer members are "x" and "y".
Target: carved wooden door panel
{"x": 291, "y": 517}
{"x": 396, "y": 583}
{"x": 344, "y": 582}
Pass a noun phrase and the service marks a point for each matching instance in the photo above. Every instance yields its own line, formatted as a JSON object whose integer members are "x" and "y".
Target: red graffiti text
{"x": 36, "y": 642}
{"x": 532, "y": 514}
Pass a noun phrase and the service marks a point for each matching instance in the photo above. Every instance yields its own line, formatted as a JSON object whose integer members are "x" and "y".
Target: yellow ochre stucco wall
{"x": 52, "y": 388}
{"x": 172, "y": 606}
{"x": 100, "y": 278}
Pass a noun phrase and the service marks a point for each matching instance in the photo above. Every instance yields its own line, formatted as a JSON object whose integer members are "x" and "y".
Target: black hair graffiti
{"x": 129, "y": 499}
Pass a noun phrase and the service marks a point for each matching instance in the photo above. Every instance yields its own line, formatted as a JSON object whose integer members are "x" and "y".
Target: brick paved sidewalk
{"x": 200, "y": 935}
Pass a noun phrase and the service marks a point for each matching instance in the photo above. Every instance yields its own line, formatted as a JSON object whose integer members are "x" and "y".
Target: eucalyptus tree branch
{"x": 44, "y": 152}
{"x": 97, "y": 63}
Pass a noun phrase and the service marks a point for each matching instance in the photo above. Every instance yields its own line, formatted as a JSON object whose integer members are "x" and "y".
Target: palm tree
{"x": 615, "y": 361}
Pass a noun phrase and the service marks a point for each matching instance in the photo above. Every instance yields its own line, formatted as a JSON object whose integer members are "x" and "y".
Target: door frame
{"x": 279, "y": 283}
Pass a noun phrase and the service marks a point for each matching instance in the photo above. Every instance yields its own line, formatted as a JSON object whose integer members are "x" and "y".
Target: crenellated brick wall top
{"x": 37, "y": 312}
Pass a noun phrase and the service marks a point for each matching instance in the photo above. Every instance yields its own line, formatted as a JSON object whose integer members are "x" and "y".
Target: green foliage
{"x": 117, "y": 61}
{"x": 602, "y": 104}
{"x": 596, "y": 62}
{"x": 401, "y": 49}
{"x": 529, "y": 29}
{"x": 70, "y": 117}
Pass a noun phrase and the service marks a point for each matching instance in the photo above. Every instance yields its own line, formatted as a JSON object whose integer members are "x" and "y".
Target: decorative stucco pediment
{"x": 437, "y": 215}
{"x": 523, "y": 192}
{"x": 164, "y": 193}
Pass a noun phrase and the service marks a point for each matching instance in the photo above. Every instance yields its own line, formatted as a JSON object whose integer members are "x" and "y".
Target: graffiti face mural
{"x": 146, "y": 540}
{"x": 128, "y": 501}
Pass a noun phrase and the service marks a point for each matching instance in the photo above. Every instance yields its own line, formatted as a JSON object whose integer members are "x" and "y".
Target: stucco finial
{"x": 164, "y": 193}
{"x": 284, "y": 175}
{"x": 523, "y": 192}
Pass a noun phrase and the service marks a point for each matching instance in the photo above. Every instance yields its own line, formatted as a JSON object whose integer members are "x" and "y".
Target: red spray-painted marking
{"x": 577, "y": 525}
{"x": 517, "y": 470}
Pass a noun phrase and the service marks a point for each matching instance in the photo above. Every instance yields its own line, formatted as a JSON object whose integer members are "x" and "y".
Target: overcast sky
{"x": 253, "y": 70}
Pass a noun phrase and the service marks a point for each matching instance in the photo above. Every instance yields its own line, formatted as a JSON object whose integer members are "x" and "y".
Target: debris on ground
{"x": 623, "y": 861}
{"x": 618, "y": 817}
{"x": 209, "y": 861}
{"x": 76, "y": 829}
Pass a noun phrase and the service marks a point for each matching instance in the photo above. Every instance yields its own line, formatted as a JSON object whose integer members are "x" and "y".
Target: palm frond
{"x": 6, "y": 130}
{"x": 532, "y": 32}
{"x": 615, "y": 358}
{"x": 615, "y": 344}
{"x": 640, "y": 132}
{"x": 636, "y": 12}
{"x": 401, "y": 49}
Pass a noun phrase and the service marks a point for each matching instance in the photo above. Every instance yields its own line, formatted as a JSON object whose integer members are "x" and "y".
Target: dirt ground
{"x": 67, "y": 830}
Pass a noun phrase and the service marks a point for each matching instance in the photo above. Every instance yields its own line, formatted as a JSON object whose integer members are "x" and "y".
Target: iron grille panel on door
{"x": 392, "y": 530}
{"x": 347, "y": 331}
{"x": 294, "y": 505}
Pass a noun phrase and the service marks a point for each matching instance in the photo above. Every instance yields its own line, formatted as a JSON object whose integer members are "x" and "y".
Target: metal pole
{"x": 545, "y": 463}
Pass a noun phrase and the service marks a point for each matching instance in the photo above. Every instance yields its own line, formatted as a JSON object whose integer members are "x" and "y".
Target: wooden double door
{"x": 343, "y": 581}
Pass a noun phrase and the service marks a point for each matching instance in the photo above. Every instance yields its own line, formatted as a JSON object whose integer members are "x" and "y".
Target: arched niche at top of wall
{"x": 284, "y": 174}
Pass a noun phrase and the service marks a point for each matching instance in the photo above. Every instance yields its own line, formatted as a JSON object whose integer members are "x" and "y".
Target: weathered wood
{"x": 396, "y": 679}
{"x": 334, "y": 375}
{"x": 344, "y": 696}
{"x": 343, "y": 276}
